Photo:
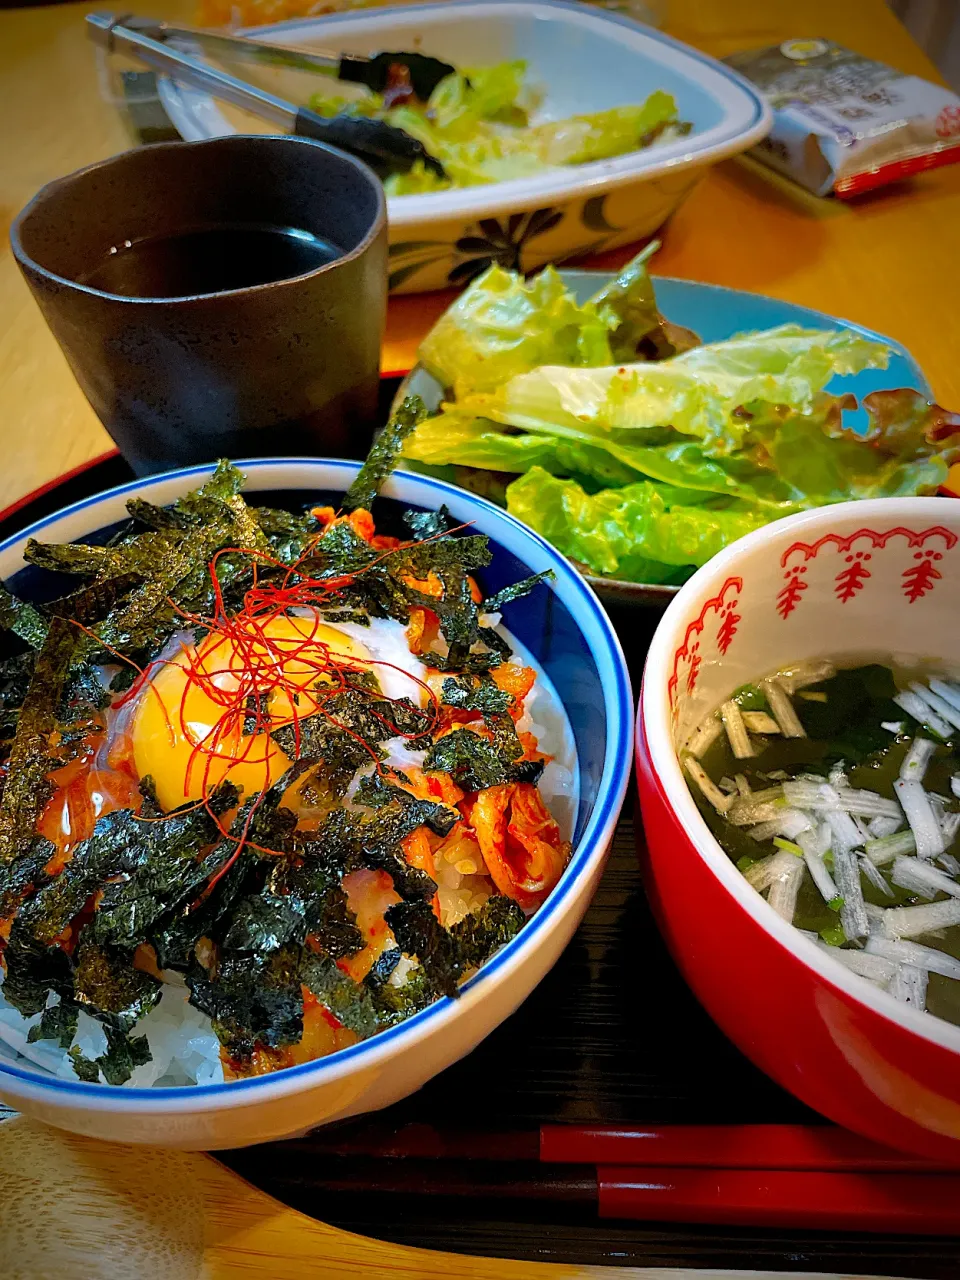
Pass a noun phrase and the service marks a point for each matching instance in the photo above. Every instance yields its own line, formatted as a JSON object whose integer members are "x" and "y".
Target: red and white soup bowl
{"x": 859, "y": 580}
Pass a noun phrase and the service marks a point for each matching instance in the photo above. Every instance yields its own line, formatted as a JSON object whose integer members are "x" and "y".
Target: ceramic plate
{"x": 583, "y": 59}
{"x": 716, "y": 313}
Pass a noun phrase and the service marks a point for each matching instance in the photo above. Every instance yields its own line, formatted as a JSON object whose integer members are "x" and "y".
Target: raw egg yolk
{"x": 188, "y": 732}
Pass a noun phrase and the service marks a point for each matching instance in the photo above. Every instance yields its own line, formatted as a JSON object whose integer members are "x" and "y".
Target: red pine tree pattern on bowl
{"x": 918, "y": 578}
{"x": 687, "y": 660}
{"x": 862, "y": 581}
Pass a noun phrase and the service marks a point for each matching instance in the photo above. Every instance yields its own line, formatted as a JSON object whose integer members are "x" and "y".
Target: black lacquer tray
{"x": 612, "y": 1036}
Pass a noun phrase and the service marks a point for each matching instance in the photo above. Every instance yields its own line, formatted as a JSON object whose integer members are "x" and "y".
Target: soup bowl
{"x": 565, "y": 629}
{"x": 876, "y": 580}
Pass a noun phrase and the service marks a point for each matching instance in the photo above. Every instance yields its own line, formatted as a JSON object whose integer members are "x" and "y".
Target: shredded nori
{"x": 475, "y": 764}
{"x": 384, "y": 453}
{"x": 59, "y": 1023}
{"x": 27, "y": 786}
{"x": 22, "y": 619}
{"x": 515, "y": 591}
{"x": 446, "y": 955}
{"x": 254, "y": 917}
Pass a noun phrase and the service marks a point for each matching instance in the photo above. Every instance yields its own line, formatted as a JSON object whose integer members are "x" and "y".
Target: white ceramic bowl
{"x": 567, "y": 631}
{"x": 585, "y": 60}
{"x": 861, "y": 581}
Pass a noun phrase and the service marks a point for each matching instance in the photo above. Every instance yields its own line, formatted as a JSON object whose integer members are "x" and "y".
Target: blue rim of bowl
{"x": 613, "y": 784}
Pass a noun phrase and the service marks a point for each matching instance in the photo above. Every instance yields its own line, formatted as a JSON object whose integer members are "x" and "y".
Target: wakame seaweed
{"x": 233, "y": 893}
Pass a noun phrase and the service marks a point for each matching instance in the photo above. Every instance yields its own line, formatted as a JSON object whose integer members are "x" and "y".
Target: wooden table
{"x": 889, "y": 261}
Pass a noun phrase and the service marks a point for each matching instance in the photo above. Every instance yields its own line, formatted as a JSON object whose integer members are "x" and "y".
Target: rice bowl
{"x": 449, "y": 1027}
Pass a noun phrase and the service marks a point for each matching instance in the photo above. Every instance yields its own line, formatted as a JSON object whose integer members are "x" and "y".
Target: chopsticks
{"x": 791, "y": 1147}
{"x": 780, "y": 1176}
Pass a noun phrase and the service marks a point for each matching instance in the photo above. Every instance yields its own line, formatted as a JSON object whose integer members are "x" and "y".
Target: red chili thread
{"x": 263, "y": 671}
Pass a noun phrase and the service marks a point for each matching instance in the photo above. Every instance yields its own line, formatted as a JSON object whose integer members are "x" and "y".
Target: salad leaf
{"x": 477, "y": 122}
{"x": 603, "y": 134}
{"x": 478, "y": 442}
{"x": 503, "y": 325}
{"x": 641, "y": 331}
{"x": 713, "y": 392}
{"x": 482, "y": 93}
{"x": 633, "y": 533}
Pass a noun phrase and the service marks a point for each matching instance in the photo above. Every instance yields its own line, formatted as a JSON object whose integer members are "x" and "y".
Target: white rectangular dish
{"x": 584, "y": 60}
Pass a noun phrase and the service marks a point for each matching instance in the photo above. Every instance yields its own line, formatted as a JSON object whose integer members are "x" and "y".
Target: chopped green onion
{"x": 837, "y": 903}
{"x": 745, "y": 863}
{"x": 788, "y": 846}
{"x": 833, "y": 936}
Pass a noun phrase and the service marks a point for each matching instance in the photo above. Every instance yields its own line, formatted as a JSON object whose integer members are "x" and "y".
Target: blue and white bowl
{"x": 567, "y": 632}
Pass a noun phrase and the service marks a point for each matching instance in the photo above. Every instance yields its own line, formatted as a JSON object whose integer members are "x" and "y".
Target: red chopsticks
{"x": 904, "y": 1203}
{"x": 788, "y": 1176}
{"x": 796, "y": 1147}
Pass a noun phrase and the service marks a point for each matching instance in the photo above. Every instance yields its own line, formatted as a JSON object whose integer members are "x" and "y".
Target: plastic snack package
{"x": 844, "y": 124}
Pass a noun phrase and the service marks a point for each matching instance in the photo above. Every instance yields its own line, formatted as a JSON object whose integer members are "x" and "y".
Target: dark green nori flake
{"x": 384, "y": 454}
{"x": 262, "y": 821}
{"x": 527, "y": 771}
{"x": 27, "y": 787}
{"x": 59, "y": 1023}
{"x": 376, "y": 793}
{"x": 108, "y": 986}
{"x": 23, "y": 874}
{"x": 251, "y": 999}
{"x": 347, "y": 615}
{"x": 265, "y": 922}
{"x": 31, "y": 974}
{"x": 85, "y": 1069}
{"x": 428, "y": 524}
{"x": 348, "y": 731}
{"x": 313, "y": 888}
{"x": 175, "y": 938}
{"x": 256, "y": 717}
{"x": 476, "y": 662}
{"x": 458, "y": 556}
{"x": 159, "y": 518}
{"x": 22, "y": 619}
{"x": 351, "y": 839}
{"x": 384, "y": 966}
{"x": 478, "y": 935}
{"x": 475, "y": 764}
{"x": 123, "y": 1055}
{"x": 480, "y": 695}
{"x": 15, "y": 675}
{"x": 446, "y": 955}
{"x": 157, "y": 861}
{"x": 84, "y": 689}
{"x": 136, "y": 557}
{"x": 397, "y": 1003}
{"x": 496, "y": 602}
{"x": 349, "y": 1002}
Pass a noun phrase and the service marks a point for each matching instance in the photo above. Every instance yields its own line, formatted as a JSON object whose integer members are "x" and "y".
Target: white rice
{"x": 182, "y": 1043}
